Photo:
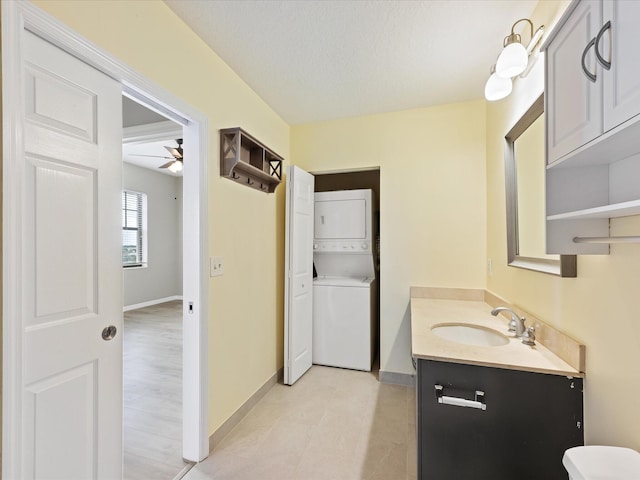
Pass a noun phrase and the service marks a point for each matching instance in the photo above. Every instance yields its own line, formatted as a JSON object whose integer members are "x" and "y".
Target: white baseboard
{"x": 151, "y": 302}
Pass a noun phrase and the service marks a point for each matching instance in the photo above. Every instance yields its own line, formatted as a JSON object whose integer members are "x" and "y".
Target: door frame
{"x": 19, "y": 15}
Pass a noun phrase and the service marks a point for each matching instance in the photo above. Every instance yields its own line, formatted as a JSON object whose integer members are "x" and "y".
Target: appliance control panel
{"x": 348, "y": 246}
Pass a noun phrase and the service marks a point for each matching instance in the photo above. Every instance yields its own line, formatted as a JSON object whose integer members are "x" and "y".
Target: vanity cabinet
{"x": 592, "y": 95}
{"x": 516, "y": 424}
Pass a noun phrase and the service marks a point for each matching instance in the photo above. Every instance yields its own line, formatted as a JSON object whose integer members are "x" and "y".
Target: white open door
{"x": 298, "y": 292}
{"x": 63, "y": 269}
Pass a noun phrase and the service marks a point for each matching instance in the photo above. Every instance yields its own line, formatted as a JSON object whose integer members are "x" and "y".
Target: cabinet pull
{"x": 589, "y": 75}
{"x": 461, "y": 402}
{"x": 603, "y": 62}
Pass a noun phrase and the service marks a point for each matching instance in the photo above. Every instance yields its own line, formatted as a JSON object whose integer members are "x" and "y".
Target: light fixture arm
{"x": 514, "y": 60}
{"x": 515, "y": 37}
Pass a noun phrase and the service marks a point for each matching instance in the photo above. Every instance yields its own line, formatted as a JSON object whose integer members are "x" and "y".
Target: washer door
{"x": 342, "y": 326}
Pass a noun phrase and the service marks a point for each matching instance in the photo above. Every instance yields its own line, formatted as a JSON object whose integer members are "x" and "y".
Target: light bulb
{"x": 175, "y": 167}
{"x": 512, "y": 60}
{"x": 497, "y": 87}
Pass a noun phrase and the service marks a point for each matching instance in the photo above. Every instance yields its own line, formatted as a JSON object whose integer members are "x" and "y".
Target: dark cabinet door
{"x": 529, "y": 421}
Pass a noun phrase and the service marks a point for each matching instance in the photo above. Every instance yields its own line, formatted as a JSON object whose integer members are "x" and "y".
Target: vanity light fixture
{"x": 497, "y": 87}
{"x": 513, "y": 60}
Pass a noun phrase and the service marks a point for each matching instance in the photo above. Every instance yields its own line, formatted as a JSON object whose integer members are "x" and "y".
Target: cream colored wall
{"x": 599, "y": 308}
{"x": 246, "y": 226}
{"x": 432, "y": 201}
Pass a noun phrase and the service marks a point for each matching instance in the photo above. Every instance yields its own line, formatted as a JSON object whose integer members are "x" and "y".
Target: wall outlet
{"x": 216, "y": 266}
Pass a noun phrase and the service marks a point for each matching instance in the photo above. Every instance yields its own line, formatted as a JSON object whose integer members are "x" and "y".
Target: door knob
{"x": 109, "y": 332}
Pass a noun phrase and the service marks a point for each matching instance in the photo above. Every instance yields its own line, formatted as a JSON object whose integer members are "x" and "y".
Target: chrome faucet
{"x": 516, "y": 324}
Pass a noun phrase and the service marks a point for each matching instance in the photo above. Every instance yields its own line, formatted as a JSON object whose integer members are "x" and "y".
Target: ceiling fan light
{"x": 497, "y": 87}
{"x": 175, "y": 167}
{"x": 513, "y": 58}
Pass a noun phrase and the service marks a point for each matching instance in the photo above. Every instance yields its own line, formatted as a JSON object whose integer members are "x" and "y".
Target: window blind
{"x": 133, "y": 253}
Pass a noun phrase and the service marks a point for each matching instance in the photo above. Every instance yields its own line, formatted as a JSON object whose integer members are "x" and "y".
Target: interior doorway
{"x": 152, "y": 268}
{"x": 22, "y": 22}
{"x": 355, "y": 180}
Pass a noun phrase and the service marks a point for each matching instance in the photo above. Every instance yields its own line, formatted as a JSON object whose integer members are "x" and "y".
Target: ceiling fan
{"x": 175, "y": 164}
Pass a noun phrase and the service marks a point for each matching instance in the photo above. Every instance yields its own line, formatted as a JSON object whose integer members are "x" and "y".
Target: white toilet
{"x": 595, "y": 462}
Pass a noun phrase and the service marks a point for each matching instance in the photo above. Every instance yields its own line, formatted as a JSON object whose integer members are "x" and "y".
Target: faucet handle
{"x": 529, "y": 337}
{"x": 513, "y": 323}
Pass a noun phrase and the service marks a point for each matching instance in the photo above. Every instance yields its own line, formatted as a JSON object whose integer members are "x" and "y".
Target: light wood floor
{"x": 153, "y": 392}
{"x": 333, "y": 424}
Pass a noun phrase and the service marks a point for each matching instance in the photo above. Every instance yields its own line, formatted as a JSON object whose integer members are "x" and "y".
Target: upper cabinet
{"x": 574, "y": 101}
{"x": 592, "y": 123}
{"x": 621, "y": 84}
{"x": 593, "y": 74}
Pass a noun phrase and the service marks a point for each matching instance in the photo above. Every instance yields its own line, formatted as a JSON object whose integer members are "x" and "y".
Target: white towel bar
{"x": 633, "y": 239}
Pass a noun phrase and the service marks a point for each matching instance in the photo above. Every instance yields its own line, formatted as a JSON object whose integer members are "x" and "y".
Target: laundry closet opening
{"x": 326, "y": 352}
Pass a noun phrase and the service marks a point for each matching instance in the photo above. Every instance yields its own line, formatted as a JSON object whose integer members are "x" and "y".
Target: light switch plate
{"x": 216, "y": 266}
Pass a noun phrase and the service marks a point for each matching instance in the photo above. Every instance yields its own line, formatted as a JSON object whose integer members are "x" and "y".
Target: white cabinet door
{"x": 298, "y": 306}
{"x": 68, "y": 270}
{"x": 621, "y": 45}
{"x": 572, "y": 99}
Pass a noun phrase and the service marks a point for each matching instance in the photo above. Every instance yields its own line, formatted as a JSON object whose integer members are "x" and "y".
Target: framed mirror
{"x": 525, "y": 195}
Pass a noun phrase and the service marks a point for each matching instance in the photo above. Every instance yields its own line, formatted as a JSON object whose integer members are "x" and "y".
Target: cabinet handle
{"x": 589, "y": 75}
{"x": 460, "y": 402}
{"x": 603, "y": 62}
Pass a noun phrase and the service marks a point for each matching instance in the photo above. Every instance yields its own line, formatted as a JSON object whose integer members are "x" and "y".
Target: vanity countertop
{"x": 427, "y": 312}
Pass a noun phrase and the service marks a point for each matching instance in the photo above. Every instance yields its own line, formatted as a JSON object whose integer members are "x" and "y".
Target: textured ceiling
{"x": 314, "y": 60}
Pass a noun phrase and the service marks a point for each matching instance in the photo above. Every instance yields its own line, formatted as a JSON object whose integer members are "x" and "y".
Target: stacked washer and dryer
{"x": 345, "y": 289}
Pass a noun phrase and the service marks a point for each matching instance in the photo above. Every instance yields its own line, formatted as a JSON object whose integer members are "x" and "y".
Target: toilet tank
{"x": 595, "y": 462}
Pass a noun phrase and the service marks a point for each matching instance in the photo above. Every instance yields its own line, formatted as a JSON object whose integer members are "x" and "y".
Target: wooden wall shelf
{"x": 249, "y": 162}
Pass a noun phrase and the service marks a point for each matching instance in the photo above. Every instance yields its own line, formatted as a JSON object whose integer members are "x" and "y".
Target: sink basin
{"x": 470, "y": 334}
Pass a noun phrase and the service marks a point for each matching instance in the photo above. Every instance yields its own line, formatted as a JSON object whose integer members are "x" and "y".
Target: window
{"x": 134, "y": 229}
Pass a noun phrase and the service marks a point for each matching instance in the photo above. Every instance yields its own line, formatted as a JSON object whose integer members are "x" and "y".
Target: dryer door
{"x": 340, "y": 219}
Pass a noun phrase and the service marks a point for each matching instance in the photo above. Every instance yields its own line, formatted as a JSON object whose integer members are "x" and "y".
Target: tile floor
{"x": 332, "y": 424}
{"x": 153, "y": 392}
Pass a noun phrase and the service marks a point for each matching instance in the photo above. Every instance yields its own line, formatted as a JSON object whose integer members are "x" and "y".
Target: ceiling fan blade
{"x": 167, "y": 165}
{"x": 152, "y": 156}
{"x": 175, "y": 152}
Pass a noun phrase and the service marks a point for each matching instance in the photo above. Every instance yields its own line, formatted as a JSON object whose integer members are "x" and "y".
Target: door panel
{"x": 54, "y": 102}
{"x": 571, "y": 98}
{"x": 64, "y": 273}
{"x": 70, "y": 268}
{"x": 299, "y": 274}
{"x": 620, "y": 44}
{"x": 49, "y": 404}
